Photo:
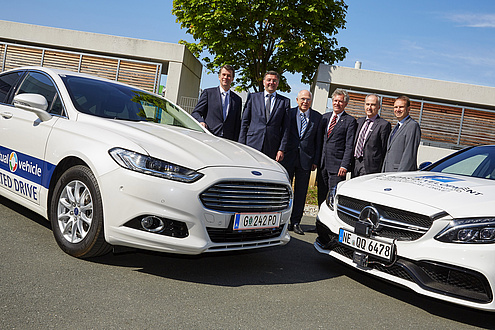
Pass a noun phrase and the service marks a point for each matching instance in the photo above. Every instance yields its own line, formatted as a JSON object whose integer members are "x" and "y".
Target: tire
{"x": 76, "y": 214}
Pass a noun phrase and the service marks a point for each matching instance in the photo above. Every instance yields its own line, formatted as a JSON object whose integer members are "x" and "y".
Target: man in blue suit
{"x": 219, "y": 108}
{"x": 337, "y": 131}
{"x": 265, "y": 120}
{"x": 403, "y": 143}
{"x": 302, "y": 153}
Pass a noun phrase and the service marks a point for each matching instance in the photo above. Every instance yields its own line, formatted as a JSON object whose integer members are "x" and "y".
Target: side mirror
{"x": 424, "y": 165}
{"x": 35, "y": 103}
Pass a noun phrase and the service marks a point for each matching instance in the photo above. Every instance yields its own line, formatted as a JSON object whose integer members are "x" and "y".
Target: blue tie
{"x": 225, "y": 104}
{"x": 304, "y": 123}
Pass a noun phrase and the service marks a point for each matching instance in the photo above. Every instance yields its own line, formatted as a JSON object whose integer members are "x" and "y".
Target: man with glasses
{"x": 302, "y": 153}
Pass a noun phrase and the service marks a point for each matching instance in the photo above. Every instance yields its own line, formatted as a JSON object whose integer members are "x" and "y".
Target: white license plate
{"x": 244, "y": 221}
{"x": 366, "y": 244}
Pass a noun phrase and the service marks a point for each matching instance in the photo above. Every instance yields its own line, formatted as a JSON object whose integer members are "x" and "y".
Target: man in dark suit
{"x": 403, "y": 143}
{"x": 219, "y": 108}
{"x": 302, "y": 153}
{"x": 370, "y": 140}
{"x": 265, "y": 120}
{"x": 337, "y": 131}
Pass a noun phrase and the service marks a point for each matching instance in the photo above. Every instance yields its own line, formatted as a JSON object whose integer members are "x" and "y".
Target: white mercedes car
{"x": 432, "y": 231}
{"x": 111, "y": 165}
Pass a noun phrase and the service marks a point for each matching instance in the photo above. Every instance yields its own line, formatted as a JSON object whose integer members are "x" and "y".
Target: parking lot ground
{"x": 287, "y": 287}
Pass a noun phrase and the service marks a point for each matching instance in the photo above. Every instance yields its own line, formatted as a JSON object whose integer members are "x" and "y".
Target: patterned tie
{"x": 304, "y": 123}
{"x": 332, "y": 125}
{"x": 360, "y": 142}
{"x": 225, "y": 104}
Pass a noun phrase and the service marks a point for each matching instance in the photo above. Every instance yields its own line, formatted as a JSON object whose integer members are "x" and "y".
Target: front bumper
{"x": 456, "y": 273}
{"x": 128, "y": 196}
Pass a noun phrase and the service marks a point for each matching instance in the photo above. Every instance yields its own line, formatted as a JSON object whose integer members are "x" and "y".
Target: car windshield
{"x": 110, "y": 100}
{"x": 477, "y": 162}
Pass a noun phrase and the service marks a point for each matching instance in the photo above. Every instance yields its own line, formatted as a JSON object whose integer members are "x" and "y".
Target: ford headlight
{"x": 480, "y": 231}
{"x": 152, "y": 166}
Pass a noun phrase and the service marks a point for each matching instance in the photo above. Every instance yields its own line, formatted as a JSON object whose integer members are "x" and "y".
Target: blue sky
{"x": 437, "y": 39}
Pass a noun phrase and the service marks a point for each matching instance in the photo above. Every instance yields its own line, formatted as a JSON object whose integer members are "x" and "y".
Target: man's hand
{"x": 342, "y": 171}
{"x": 280, "y": 156}
{"x": 203, "y": 124}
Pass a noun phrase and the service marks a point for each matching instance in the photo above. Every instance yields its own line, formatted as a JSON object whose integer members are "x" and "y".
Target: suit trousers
{"x": 301, "y": 183}
{"x": 330, "y": 181}
{"x": 358, "y": 167}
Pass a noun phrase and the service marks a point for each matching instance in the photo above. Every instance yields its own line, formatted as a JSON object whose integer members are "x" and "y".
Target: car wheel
{"x": 76, "y": 213}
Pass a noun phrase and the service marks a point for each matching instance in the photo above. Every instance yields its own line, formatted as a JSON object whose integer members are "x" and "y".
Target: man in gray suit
{"x": 302, "y": 153}
{"x": 265, "y": 120}
{"x": 403, "y": 143}
{"x": 370, "y": 140}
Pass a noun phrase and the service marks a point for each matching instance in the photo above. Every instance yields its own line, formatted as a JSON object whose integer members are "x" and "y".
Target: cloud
{"x": 473, "y": 20}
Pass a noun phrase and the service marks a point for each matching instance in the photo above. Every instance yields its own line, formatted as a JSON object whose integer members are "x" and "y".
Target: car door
{"x": 23, "y": 170}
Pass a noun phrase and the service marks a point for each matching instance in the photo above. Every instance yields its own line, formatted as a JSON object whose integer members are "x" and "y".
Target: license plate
{"x": 366, "y": 244}
{"x": 244, "y": 221}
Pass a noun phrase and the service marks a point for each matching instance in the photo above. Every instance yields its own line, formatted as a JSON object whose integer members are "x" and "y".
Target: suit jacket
{"x": 375, "y": 144}
{"x": 307, "y": 147}
{"x": 209, "y": 110}
{"x": 268, "y": 136}
{"x": 337, "y": 149}
{"x": 402, "y": 148}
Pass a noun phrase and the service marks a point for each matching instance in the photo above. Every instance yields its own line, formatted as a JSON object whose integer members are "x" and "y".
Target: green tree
{"x": 255, "y": 36}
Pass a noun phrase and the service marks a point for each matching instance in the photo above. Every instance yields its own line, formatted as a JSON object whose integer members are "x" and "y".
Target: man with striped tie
{"x": 302, "y": 153}
{"x": 337, "y": 129}
{"x": 370, "y": 141}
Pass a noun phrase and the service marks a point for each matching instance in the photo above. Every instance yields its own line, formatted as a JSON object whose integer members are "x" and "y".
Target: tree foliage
{"x": 255, "y": 36}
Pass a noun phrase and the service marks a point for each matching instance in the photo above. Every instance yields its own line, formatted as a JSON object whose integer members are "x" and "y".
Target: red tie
{"x": 332, "y": 125}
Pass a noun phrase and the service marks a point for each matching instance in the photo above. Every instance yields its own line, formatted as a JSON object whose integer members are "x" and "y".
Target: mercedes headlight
{"x": 480, "y": 231}
{"x": 152, "y": 166}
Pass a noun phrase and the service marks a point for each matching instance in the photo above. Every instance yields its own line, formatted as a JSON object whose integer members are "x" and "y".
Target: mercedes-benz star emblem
{"x": 370, "y": 215}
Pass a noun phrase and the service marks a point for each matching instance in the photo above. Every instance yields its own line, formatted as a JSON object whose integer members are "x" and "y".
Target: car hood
{"x": 186, "y": 147}
{"x": 426, "y": 192}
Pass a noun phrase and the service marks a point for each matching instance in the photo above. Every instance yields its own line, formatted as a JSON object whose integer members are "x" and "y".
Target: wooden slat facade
{"x": 440, "y": 123}
{"x": 145, "y": 75}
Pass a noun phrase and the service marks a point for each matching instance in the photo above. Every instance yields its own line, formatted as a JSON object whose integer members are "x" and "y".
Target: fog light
{"x": 152, "y": 224}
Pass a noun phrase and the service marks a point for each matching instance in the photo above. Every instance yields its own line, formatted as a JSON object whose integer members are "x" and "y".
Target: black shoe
{"x": 298, "y": 230}
{"x": 291, "y": 227}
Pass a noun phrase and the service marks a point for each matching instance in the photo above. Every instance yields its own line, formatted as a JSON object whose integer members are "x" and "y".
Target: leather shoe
{"x": 298, "y": 229}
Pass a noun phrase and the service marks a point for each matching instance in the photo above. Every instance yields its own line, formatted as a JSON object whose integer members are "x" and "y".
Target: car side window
{"x": 38, "y": 83}
{"x": 7, "y": 81}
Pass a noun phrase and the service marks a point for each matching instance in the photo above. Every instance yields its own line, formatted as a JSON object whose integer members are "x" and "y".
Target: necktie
{"x": 361, "y": 138}
{"x": 304, "y": 123}
{"x": 332, "y": 125}
{"x": 394, "y": 131}
{"x": 268, "y": 104}
{"x": 225, "y": 104}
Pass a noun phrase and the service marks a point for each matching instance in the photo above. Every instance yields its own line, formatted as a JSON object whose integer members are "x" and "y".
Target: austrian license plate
{"x": 366, "y": 244}
{"x": 245, "y": 221}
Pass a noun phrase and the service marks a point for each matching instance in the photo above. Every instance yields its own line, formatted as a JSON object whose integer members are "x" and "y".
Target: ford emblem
{"x": 256, "y": 173}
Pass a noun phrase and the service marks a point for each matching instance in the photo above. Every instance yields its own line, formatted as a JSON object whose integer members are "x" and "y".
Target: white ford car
{"x": 432, "y": 231}
{"x": 109, "y": 164}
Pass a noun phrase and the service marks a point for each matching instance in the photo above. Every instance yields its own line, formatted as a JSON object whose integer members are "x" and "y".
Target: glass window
{"x": 476, "y": 162}
{"x": 38, "y": 83}
{"x": 109, "y": 100}
{"x": 6, "y": 82}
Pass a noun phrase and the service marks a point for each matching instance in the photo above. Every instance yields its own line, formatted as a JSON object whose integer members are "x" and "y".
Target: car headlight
{"x": 152, "y": 166}
{"x": 330, "y": 201}
{"x": 481, "y": 231}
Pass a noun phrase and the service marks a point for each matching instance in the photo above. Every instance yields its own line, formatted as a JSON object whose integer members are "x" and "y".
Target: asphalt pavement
{"x": 287, "y": 287}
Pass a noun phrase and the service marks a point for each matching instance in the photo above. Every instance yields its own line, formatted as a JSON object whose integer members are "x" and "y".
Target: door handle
{"x": 6, "y": 115}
